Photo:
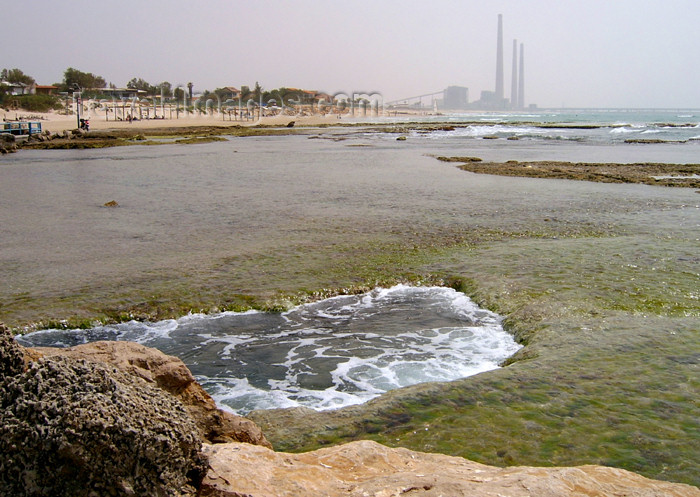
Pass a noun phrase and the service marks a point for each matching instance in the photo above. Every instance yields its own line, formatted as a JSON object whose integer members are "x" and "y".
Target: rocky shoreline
{"x": 120, "y": 419}
{"x": 598, "y": 281}
{"x": 675, "y": 175}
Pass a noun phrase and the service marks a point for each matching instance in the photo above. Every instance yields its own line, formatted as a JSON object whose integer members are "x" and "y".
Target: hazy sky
{"x": 578, "y": 53}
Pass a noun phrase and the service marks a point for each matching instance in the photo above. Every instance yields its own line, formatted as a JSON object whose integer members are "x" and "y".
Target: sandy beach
{"x": 56, "y": 123}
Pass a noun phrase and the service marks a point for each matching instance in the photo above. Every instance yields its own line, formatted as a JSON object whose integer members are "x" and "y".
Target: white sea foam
{"x": 340, "y": 351}
{"x": 617, "y": 131}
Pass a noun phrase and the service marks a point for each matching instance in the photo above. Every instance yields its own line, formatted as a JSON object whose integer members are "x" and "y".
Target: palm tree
{"x": 189, "y": 87}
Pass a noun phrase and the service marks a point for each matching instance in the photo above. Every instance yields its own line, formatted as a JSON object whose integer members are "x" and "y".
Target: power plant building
{"x": 456, "y": 98}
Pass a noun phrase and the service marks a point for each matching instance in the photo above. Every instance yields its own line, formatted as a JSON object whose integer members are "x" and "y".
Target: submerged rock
{"x": 360, "y": 469}
{"x": 74, "y": 428}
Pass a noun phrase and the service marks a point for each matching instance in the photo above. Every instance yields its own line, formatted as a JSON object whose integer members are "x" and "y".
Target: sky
{"x": 578, "y": 53}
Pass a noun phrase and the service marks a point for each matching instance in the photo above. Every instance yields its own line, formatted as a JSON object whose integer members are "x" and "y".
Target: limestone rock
{"x": 73, "y": 428}
{"x": 11, "y": 354}
{"x": 368, "y": 469}
{"x": 170, "y": 374}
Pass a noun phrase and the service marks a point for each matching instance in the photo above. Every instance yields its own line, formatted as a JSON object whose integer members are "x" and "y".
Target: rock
{"x": 75, "y": 428}
{"x": 170, "y": 374}
{"x": 365, "y": 468}
{"x": 111, "y": 203}
{"x": 7, "y": 138}
{"x": 11, "y": 354}
{"x": 290, "y": 124}
{"x": 401, "y": 139}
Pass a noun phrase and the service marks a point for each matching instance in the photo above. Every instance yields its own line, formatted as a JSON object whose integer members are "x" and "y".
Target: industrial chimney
{"x": 499, "y": 62}
{"x": 514, "y": 78}
{"x": 521, "y": 78}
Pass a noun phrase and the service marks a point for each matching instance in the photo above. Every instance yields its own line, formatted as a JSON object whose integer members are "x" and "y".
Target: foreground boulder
{"x": 368, "y": 469}
{"x": 74, "y": 428}
{"x": 11, "y": 354}
{"x": 170, "y": 374}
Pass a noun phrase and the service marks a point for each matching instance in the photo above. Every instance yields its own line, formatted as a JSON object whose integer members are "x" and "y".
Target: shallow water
{"x": 201, "y": 211}
{"x": 329, "y": 354}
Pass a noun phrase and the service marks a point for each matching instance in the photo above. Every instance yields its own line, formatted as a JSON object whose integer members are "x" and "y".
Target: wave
{"x": 332, "y": 353}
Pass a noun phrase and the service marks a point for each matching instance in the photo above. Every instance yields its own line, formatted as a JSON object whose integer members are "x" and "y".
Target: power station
{"x": 457, "y": 97}
{"x": 496, "y": 100}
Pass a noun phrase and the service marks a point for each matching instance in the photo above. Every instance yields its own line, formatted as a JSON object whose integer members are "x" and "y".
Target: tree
{"x": 257, "y": 92}
{"x": 189, "y": 88}
{"x": 16, "y": 76}
{"x": 141, "y": 84}
{"x": 73, "y": 77}
{"x": 165, "y": 88}
{"x": 245, "y": 93}
{"x": 179, "y": 93}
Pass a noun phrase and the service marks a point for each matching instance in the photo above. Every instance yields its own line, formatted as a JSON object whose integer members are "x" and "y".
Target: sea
{"x": 332, "y": 353}
{"x": 192, "y": 204}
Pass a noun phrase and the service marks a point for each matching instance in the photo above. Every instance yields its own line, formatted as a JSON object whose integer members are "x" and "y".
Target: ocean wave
{"x": 624, "y": 130}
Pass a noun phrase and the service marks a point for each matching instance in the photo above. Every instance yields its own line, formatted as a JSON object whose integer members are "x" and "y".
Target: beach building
{"x": 45, "y": 89}
{"x": 232, "y": 92}
{"x": 17, "y": 88}
{"x": 121, "y": 92}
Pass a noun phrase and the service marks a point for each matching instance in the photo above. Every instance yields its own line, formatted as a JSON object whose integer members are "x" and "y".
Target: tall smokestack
{"x": 521, "y": 78}
{"x": 499, "y": 61}
{"x": 514, "y": 76}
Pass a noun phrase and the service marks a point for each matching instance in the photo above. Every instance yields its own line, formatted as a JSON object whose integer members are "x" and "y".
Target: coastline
{"x": 599, "y": 283}
{"x": 57, "y": 123}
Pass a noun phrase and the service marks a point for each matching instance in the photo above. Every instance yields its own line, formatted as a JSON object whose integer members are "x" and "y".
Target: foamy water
{"x": 336, "y": 352}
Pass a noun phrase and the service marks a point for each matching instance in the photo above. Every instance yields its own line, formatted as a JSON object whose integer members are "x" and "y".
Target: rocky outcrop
{"x": 11, "y": 354}
{"x": 170, "y": 374}
{"x": 69, "y": 427}
{"x": 71, "y": 424}
{"x": 368, "y": 469}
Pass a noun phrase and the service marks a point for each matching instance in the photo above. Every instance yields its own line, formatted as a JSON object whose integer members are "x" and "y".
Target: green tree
{"x": 166, "y": 89}
{"x": 257, "y": 92}
{"x": 16, "y": 76}
{"x": 189, "y": 88}
{"x": 73, "y": 77}
{"x": 179, "y": 93}
{"x": 141, "y": 84}
{"x": 245, "y": 93}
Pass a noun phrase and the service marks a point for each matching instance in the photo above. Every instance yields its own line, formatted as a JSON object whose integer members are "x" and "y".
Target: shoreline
{"x": 598, "y": 281}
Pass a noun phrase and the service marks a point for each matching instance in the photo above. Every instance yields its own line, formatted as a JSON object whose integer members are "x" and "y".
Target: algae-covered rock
{"x": 75, "y": 428}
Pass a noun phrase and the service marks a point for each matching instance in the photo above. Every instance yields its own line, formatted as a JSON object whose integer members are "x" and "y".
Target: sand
{"x": 58, "y": 122}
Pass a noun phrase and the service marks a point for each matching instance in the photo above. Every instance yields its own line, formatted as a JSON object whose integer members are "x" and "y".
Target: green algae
{"x": 609, "y": 317}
